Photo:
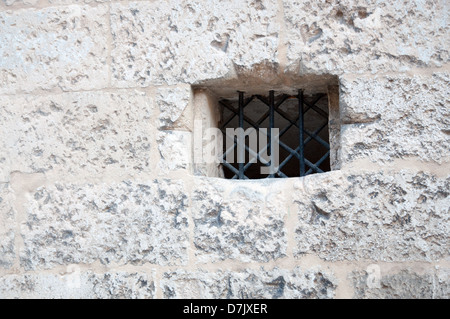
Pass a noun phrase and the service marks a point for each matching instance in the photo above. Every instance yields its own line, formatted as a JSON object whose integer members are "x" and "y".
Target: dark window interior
{"x": 283, "y": 111}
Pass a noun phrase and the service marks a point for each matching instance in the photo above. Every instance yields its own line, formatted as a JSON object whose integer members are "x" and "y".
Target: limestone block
{"x": 78, "y": 285}
{"x": 175, "y": 150}
{"x": 280, "y": 283}
{"x": 405, "y": 284}
{"x": 167, "y": 42}
{"x": 123, "y": 285}
{"x": 12, "y": 4}
{"x": 392, "y": 117}
{"x": 182, "y": 284}
{"x": 359, "y": 36}
{"x": 7, "y": 219}
{"x": 250, "y": 284}
{"x": 126, "y": 223}
{"x": 56, "y": 47}
{"x": 243, "y": 220}
{"x": 175, "y": 106}
{"x": 86, "y": 134}
{"x": 392, "y": 216}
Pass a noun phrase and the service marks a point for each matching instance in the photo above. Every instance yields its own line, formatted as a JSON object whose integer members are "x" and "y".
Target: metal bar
{"x": 281, "y": 174}
{"x": 290, "y": 150}
{"x": 284, "y": 115}
{"x": 267, "y": 114}
{"x": 284, "y": 97}
{"x": 263, "y": 99}
{"x": 248, "y": 149}
{"x": 287, "y": 159}
{"x": 255, "y": 125}
{"x": 273, "y": 105}
{"x": 286, "y": 147}
{"x": 236, "y": 112}
{"x": 263, "y": 118}
{"x": 225, "y": 123}
{"x": 231, "y": 168}
{"x": 309, "y": 105}
{"x": 248, "y": 100}
{"x": 296, "y": 152}
{"x": 231, "y": 148}
{"x": 317, "y": 164}
{"x": 279, "y": 135}
{"x": 265, "y": 147}
{"x": 310, "y": 137}
{"x": 314, "y": 167}
{"x": 317, "y": 138}
{"x": 320, "y": 111}
{"x": 241, "y": 147}
{"x": 301, "y": 150}
{"x": 271, "y": 126}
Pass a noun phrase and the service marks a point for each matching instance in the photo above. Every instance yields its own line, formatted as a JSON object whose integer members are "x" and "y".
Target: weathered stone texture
{"x": 357, "y": 36}
{"x": 84, "y": 285}
{"x": 126, "y": 223}
{"x": 175, "y": 151}
{"x": 398, "y": 216}
{"x": 62, "y": 47}
{"x": 76, "y": 134}
{"x": 7, "y": 219}
{"x": 123, "y": 286}
{"x": 175, "y": 106}
{"x": 242, "y": 221}
{"x": 394, "y": 117}
{"x": 167, "y": 42}
{"x": 250, "y": 284}
{"x": 403, "y": 285}
{"x": 97, "y": 95}
{"x": 280, "y": 283}
{"x": 12, "y": 4}
{"x": 194, "y": 284}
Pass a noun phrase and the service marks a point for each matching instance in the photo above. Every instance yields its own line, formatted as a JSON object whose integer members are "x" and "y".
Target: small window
{"x": 274, "y": 135}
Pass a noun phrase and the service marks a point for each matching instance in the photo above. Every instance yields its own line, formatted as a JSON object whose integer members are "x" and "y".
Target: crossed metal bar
{"x": 299, "y": 123}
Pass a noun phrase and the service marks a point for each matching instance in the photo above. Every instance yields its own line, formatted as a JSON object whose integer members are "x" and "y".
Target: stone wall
{"x": 99, "y": 197}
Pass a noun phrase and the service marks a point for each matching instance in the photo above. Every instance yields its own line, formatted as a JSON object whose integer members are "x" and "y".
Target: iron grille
{"x": 303, "y": 134}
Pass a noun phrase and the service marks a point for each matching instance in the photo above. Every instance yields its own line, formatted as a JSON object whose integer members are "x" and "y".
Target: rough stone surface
{"x": 280, "y": 283}
{"x": 241, "y": 221}
{"x": 123, "y": 286}
{"x": 393, "y": 117}
{"x": 199, "y": 284}
{"x": 165, "y": 42}
{"x": 403, "y": 285}
{"x": 61, "y": 47}
{"x": 76, "y": 134}
{"x": 126, "y": 223}
{"x": 174, "y": 105}
{"x": 398, "y": 216}
{"x": 84, "y": 285}
{"x": 7, "y": 224}
{"x": 97, "y": 146}
{"x": 175, "y": 151}
{"x": 357, "y": 36}
{"x": 12, "y": 4}
{"x": 250, "y": 284}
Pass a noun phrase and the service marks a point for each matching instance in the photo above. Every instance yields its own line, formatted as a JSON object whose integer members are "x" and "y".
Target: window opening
{"x": 291, "y": 133}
